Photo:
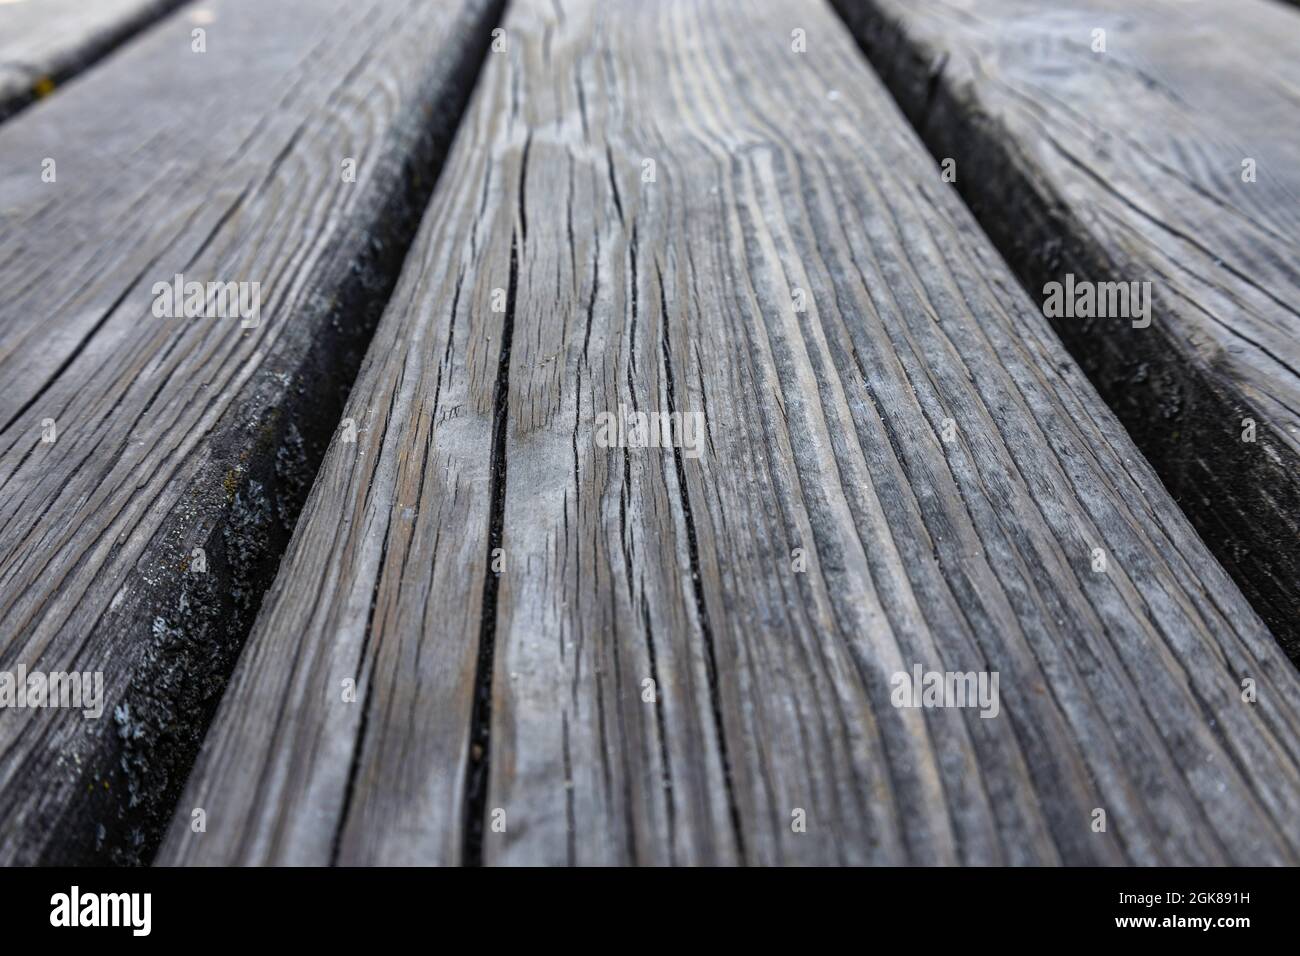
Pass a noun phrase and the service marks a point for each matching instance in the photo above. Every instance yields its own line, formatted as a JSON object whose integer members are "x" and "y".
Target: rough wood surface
{"x": 45, "y": 42}
{"x": 1127, "y": 165}
{"x": 179, "y": 433}
{"x": 499, "y": 586}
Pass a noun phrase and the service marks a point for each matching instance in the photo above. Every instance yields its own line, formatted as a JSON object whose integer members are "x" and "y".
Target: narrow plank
{"x": 44, "y": 43}
{"x": 499, "y": 713}
{"x": 176, "y": 434}
{"x": 1127, "y": 165}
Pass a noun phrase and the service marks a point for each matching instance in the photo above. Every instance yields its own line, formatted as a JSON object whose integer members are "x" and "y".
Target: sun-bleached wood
{"x": 43, "y": 43}
{"x": 454, "y": 663}
{"x": 175, "y": 434}
{"x": 1144, "y": 142}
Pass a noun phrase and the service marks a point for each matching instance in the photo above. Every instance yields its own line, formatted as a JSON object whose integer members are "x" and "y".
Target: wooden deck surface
{"x": 471, "y": 617}
{"x": 43, "y": 43}
{"x": 514, "y": 694}
{"x": 177, "y": 433}
{"x": 1172, "y": 157}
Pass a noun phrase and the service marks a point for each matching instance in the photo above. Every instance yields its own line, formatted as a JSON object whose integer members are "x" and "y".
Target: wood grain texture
{"x": 43, "y": 43}
{"x": 1127, "y": 166}
{"x": 515, "y": 694}
{"x": 183, "y": 433}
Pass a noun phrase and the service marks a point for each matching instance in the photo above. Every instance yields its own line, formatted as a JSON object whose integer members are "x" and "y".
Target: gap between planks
{"x": 1127, "y": 165}
{"x": 1121, "y": 689}
{"x": 178, "y": 437}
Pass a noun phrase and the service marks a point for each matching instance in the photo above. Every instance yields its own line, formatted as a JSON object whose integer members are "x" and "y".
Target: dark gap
{"x": 702, "y": 611}
{"x": 1174, "y": 412}
{"x": 667, "y": 774}
{"x": 358, "y": 744}
{"x": 571, "y": 824}
{"x": 478, "y": 765}
{"x": 188, "y": 630}
{"x": 660, "y": 721}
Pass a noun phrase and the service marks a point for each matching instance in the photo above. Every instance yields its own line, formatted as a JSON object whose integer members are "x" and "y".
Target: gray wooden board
{"x": 1127, "y": 165}
{"x": 45, "y": 42}
{"x": 172, "y": 434}
{"x": 452, "y": 664}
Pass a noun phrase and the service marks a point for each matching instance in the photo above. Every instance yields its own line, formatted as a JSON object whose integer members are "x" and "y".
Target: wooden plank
{"x": 172, "y": 434}
{"x": 1127, "y": 165}
{"x": 514, "y": 695}
{"x": 44, "y": 43}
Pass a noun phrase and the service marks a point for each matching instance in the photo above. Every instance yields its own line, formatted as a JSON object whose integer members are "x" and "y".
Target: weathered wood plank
{"x": 1127, "y": 165}
{"x": 916, "y": 430}
{"x": 43, "y": 43}
{"x": 172, "y": 434}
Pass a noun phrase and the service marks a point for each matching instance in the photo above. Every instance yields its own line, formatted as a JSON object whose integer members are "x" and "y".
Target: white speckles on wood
{"x": 176, "y": 433}
{"x": 1119, "y": 690}
{"x": 1126, "y": 165}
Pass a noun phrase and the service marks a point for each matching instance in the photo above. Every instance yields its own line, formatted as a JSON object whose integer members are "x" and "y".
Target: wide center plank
{"x": 500, "y": 636}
